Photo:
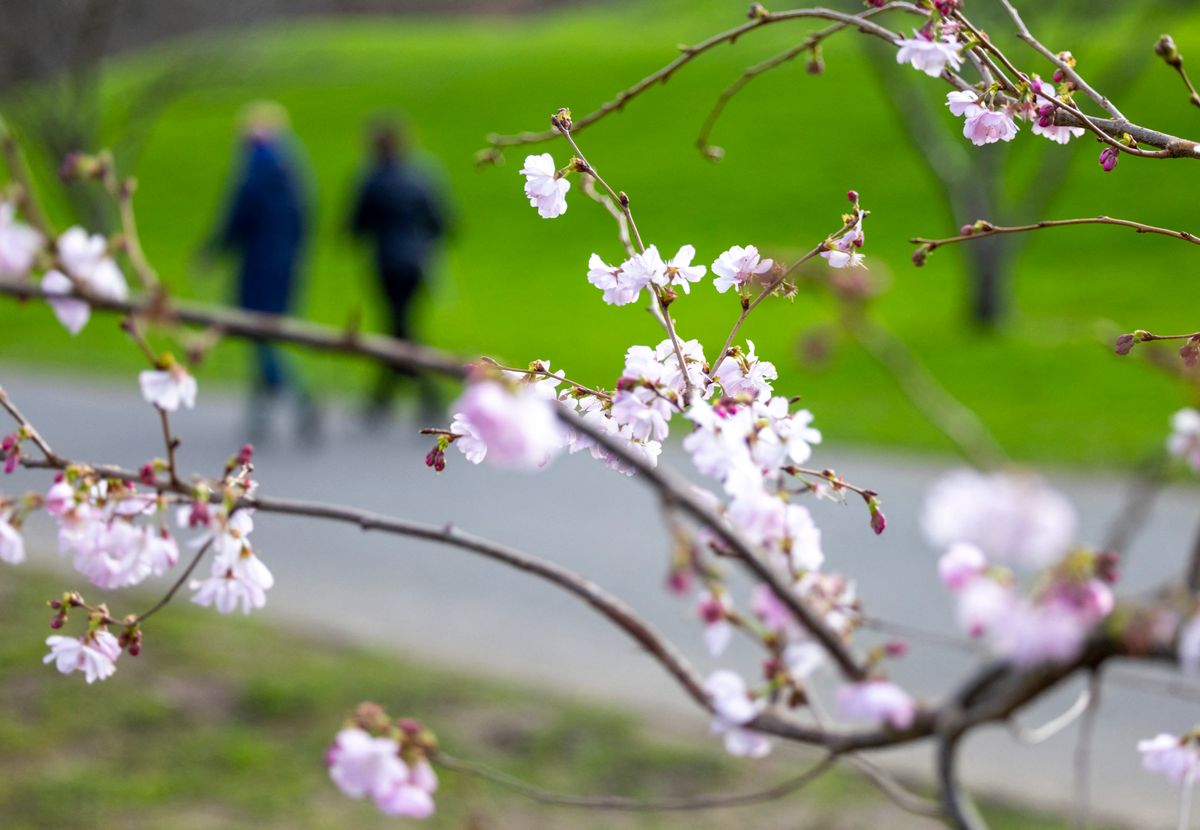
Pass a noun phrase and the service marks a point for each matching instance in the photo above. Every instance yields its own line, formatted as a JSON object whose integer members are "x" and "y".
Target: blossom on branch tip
{"x": 242, "y": 580}
{"x": 737, "y": 266}
{"x": 168, "y": 389}
{"x": 547, "y": 191}
{"x": 511, "y": 427}
{"x": 19, "y": 244}
{"x": 843, "y": 251}
{"x": 95, "y": 654}
{"x": 619, "y": 287}
{"x": 982, "y": 125}
{"x": 930, "y": 55}
{"x": 960, "y": 564}
{"x": 733, "y": 708}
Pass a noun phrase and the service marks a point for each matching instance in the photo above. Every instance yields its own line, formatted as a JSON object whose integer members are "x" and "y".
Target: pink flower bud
{"x": 1109, "y": 157}
{"x": 1125, "y": 344}
{"x": 146, "y": 474}
{"x": 245, "y": 454}
{"x": 57, "y": 621}
{"x": 852, "y": 195}
{"x": 679, "y": 581}
{"x": 895, "y": 648}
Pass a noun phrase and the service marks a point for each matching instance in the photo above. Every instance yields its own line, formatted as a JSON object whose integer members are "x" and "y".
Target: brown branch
{"x": 689, "y": 53}
{"x": 174, "y": 589}
{"x": 808, "y": 44}
{"x": 986, "y": 229}
{"x": 1165, "y": 49}
{"x": 50, "y": 455}
{"x": 618, "y": 803}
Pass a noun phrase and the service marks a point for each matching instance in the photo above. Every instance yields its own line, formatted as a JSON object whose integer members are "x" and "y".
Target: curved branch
{"x": 619, "y": 803}
{"x": 690, "y": 53}
{"x": 987, "y": 229}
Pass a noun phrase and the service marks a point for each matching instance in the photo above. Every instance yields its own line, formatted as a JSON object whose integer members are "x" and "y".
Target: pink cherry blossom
{"x": 546, "y": 190}
{"x": 746, "y": 374}
{"x": 680, "y": 270}
{"x": 844, "y": 251}
{"x": 235, "y": 581}
{"x": 877, "y": 701}
{"x": 964, "y": 102}
{"x": 72, "y": 313}
{"x": 168, "y": 389}
{"x": 511, "y": 427}
{"x": 1175, "y": 758}
{"x": 93, "y": 654}
{"x": 619, "y": 286}
{"x": 646, "y": 268}
{"x": 1042, "y": 116}
{"x": 718, "y": 632}
{"x": 989, "y": 126}
{"x": 12, "y": 546}
{"x": 362, "y": 765}
{"x": 412, "y": 795}
{"x": 984, "y": 604}
{"x": 19, "y": 244}
{"x": 1013, "y": 517}
{"x": 930, "y": 55}
{"x": 734, "y": 708}
{"x": 960, "y": 564}
{"x": 737, "y": 267}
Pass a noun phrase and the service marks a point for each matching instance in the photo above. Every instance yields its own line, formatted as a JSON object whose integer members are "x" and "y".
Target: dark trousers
{"x": 400, "y": 287}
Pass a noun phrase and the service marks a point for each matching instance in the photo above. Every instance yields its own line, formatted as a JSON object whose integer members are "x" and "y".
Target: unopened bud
{"x": 1109, "y": 157}
{"x": 1125, "y": 344}
{"x": 562, "y": 119}
{"x": 1165, "y": 49}
{"x": 920, "y": 255}
{"x": 757, "y": 12}
{"x": 852, "y": 196}
{"x": 895, "y": 648}
{"x": 816, "y": 63}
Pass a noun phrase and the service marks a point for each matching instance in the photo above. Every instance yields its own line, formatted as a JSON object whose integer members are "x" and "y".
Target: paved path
{"x": 437, "y": 602}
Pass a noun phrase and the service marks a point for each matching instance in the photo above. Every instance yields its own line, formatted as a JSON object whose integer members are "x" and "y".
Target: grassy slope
{"x": 795, "y": 144}
{"x": 222, "y": 722}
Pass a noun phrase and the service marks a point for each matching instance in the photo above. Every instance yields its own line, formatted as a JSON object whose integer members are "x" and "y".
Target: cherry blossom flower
{"x": 738, "y": 266}
{"x": 646, "y": 268}
{"x": 713, "y": 610}
{"x": 168, "y": 389}
{"x": 362, "y": 765}
{"x": 94, "y": 654}
{"x": 681, "y": 272}
{"x": 734, "y": 708}
{"x": 86, "y": 262}
{"x": 1015, "y": 518}
{"x": 1175, "y": 758}
{"x": 644, "y": 411}
{"x": 964, "y": 102}
{"x": 59, "y": 498}
{"x": 989, "y": 126}
{"x": 412, "y": 795}
{"x": 71, "y": 312}
{"x": 961, "y": 564}
{"x": 241, "y": 580}
{"x": 1184, "y": 441}
{"x": 844, "y": 251}
{"x": 12, "y": 546}
{"x": 877, "y": 701}
{"x": 984, "y": 603}
{"x": 19, "y": 244}
{"x": 1042, "y": 115}
{"x": 745, "y": 374}
{"x": 511, "y": 427}
{"x": 930, "y": 55}
{"x": 547, "y": 191}
{"x": 619, "y": 286}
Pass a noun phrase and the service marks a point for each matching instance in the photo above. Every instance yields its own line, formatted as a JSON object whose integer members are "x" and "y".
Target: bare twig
{"x": 619, "y": 803}
{"x": 983, "y": 229}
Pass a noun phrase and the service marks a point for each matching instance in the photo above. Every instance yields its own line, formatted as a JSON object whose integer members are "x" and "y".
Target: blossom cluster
{"x": 994, "y": 527}
{"x": 386, "y": 762}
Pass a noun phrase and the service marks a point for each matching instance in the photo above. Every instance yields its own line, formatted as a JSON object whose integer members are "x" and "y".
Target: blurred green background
{"x": 513, "y": 285}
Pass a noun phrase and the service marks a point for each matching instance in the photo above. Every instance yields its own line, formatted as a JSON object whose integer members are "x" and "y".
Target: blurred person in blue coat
{"x": 399, "y": 210}
{"x": 265, "y": 227}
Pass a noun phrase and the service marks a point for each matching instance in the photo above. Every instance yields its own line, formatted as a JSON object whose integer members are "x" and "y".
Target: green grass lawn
{"x": 514, "y": 285}
{"x": 223, "y": 722}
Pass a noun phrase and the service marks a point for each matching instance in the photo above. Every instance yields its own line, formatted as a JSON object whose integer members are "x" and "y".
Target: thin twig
{"x": 179, "y": 583}
{"x": 986, "y": 229}
{"x": 619, "y": 803}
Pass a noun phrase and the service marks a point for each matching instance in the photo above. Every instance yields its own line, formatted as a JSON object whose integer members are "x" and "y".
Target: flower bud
{"x": 1165, "y": 49}
{"x": 1125, "y": 344}
{"x": 895, "y": 648}
{"x": 852, "y": 196}
{"x": 1109, "y": 157}
{"x": 757, "y": 11}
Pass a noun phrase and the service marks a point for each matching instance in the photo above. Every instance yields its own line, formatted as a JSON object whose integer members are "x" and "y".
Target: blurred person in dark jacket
{"x": 265, "y": 228}
{"x": 400, "y": 212}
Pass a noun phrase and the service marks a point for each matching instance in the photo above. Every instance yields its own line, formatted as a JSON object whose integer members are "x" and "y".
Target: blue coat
{"x": 266, "y": 227}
